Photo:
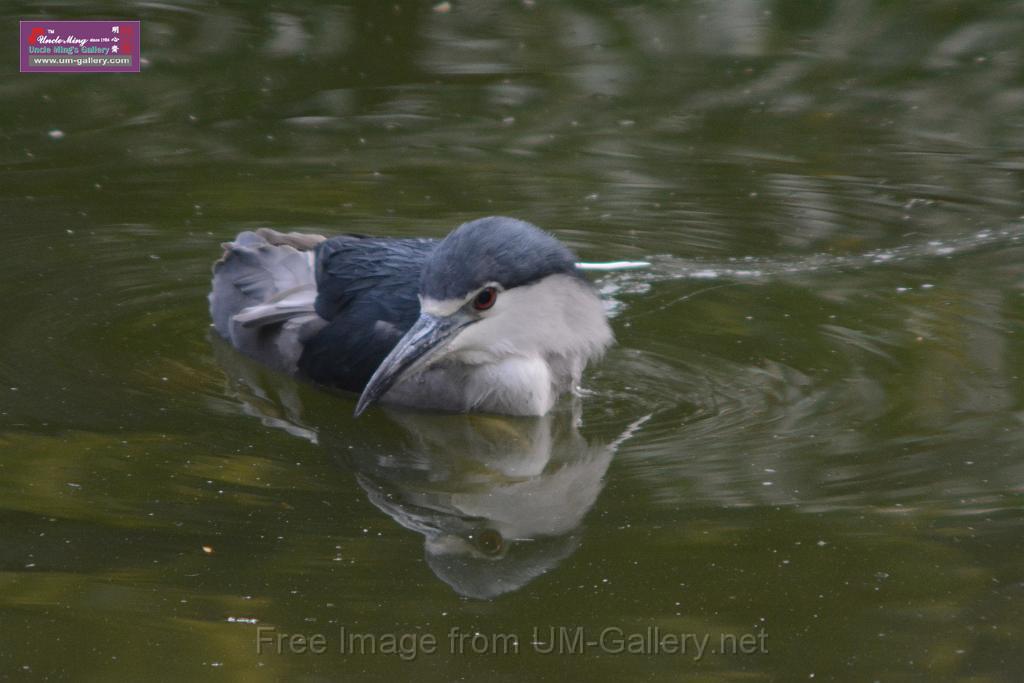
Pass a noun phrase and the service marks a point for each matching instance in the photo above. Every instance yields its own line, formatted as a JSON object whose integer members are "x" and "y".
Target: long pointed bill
{"x": 413, "y": 351}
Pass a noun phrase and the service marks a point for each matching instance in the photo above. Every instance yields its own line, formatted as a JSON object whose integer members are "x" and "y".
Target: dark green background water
{"x": 811, "y": 425}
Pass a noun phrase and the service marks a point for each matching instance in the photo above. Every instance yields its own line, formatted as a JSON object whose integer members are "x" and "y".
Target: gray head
{"x": 493, "y": 289}
{"x": 497, "y": 249}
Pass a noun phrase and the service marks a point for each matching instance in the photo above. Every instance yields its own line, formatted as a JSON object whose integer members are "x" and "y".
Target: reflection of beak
{"x": 415, "y": 350}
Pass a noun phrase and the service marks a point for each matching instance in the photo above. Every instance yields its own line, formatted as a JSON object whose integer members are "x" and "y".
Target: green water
{"x": 809, "y": 431}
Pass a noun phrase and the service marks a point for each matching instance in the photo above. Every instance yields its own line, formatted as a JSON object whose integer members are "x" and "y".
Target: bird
{"x": 496, "y": 317}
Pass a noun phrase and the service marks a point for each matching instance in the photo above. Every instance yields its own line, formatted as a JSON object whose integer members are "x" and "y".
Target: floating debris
{"x": 612, "y": 265}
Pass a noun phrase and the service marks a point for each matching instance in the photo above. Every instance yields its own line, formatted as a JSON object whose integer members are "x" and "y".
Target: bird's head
{"x": 497, "y": 288}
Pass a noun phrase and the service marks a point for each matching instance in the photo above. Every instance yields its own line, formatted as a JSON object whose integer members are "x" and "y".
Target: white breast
{"x": 531, "y": 347}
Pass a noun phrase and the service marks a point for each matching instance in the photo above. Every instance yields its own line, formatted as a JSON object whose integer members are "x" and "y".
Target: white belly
{"x": 514, "y": 386}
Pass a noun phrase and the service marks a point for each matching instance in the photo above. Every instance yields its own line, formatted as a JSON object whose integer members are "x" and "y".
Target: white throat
{"x": 529, "y": 348}
{"x": 558, "y": 316}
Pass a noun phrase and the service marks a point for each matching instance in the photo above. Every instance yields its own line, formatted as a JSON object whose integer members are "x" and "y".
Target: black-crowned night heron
{"x": 496, "y": 317}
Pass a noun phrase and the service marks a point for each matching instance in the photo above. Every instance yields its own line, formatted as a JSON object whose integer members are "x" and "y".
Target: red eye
{"x": 485, "y": 299}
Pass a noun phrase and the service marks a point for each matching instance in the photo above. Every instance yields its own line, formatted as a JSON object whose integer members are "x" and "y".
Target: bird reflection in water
{"x": 498, "y": 500}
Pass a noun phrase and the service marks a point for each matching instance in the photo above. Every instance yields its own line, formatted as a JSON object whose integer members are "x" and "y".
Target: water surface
{"x": 810, "y": 426}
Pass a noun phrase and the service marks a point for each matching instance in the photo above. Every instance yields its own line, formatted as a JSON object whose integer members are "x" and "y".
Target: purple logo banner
{"x": 80, "y": 46}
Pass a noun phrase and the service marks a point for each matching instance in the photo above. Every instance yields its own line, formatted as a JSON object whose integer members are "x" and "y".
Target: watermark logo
{"x": 539, "y": 640}
{"x": 80, "y": 46}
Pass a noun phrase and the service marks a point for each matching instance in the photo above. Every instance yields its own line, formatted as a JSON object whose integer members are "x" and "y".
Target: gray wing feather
{"x": 263, "y": 295}
{"x": 287, "y": 304}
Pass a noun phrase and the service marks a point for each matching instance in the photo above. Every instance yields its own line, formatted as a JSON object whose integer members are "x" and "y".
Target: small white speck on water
{"x": 901, "y": 290}
{"x": 56, "y": 134}
{"x": 927, "y": 285}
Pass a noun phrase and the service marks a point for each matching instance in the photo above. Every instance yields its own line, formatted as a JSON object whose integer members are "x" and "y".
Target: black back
{"x": 366, "y": 290}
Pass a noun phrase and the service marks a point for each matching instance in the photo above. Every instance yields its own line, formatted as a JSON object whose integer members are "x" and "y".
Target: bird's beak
{"x": 420, "y": 345}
